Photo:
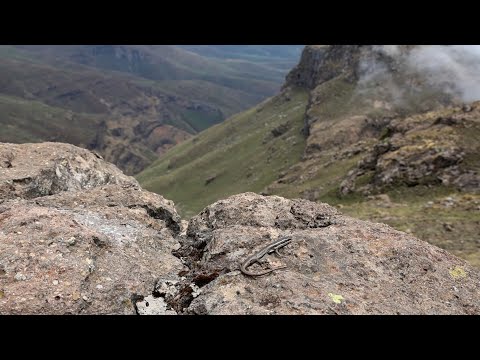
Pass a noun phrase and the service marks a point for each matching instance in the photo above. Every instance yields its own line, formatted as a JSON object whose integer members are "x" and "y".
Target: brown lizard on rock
{"x": 273, "y": 247}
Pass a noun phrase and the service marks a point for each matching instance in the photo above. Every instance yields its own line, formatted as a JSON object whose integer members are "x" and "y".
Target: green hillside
{"x": 245, "y": 153}
{"x": 145, "y": 98}
{"x": 408, "y": 159}
{"x": 33, "y": 121}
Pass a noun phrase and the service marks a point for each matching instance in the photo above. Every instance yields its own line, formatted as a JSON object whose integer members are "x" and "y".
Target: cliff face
{"x": 377, "y": 80}
{"x": 320, "y": 63}
{"x": 79, "y": 237}
{"x": 372, "y": 97}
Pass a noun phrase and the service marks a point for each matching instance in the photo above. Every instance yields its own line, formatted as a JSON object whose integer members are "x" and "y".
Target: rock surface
{"x": 425, "y": 149}
{"x": 89, "y": 249}
{"x": 32, "y": 170}
{"x": 102, "y": 245}
{"x": 335, "y": 264}
{"x": 97, "y": 251}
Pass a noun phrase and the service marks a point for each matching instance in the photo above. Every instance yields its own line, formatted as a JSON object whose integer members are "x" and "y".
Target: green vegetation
{"x": 129, "y": 91}
{"x": 427, "y": 214}
{"x": 32, "y": 121}
{"x": 238, "y": 155}
{"x": 234, "y": 157}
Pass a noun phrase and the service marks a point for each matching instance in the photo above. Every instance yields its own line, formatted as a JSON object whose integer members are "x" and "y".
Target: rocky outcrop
{"x": 424, "y": 149}
{"x": 95, "y": 245}
{"x": 32, "y": 170}
{"x": 98, "y": 248}
{"x": 321, "y": 63}
{"x": 96, "y": 251}
{"x": 335, "y": 264}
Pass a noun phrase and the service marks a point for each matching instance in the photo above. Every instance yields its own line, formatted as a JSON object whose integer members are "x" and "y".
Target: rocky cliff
{"x": 79, "y": 237}
{"x": 382, "y": 132}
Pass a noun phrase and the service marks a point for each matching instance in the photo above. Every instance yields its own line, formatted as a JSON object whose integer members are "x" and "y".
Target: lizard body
{"x": 273, "y": 247}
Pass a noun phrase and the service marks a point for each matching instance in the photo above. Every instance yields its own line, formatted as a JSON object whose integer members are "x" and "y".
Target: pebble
{"x": 99, "y": 287}
{"x": 20, "y": 277}
{"x": 55, "y": 282}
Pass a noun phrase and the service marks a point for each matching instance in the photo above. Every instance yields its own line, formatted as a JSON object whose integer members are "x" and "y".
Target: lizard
{"x": 273, "y": 247}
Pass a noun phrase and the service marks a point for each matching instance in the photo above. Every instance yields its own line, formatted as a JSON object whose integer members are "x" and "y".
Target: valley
{"x": 239, "y": 179}
{"x": 340, "y": 133}
{"x": 131, "y": 103}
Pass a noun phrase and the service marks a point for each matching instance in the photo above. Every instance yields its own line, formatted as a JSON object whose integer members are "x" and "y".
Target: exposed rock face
{"x": 91, "y": 248}
{"x": 97, "y": 251}
{"x": 32, "y": 170}
{"x": 98, "y": 248}
{"x": 321, "y": 63}
{"x": 335, "y": 264}
{"x": 349, "y": 82}
{"x": 425, "y": 149}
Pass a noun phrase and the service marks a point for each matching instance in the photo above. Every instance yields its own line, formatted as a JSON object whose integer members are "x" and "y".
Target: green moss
{"x": 337, "y": 299}
{"x": 457, "y": 273}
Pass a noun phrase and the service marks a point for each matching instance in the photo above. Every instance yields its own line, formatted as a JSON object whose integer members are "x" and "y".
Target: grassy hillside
{"x": 245, "y": 153}
{"x": 169, "y": 62}
{"x": 148, "y": 97}
{"x": 33, "y": 121}
{"x": 410, "y": 160}
{"x": 244, "y": 156}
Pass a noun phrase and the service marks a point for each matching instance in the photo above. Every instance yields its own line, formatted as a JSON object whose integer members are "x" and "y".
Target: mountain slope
{"x": 132, "y": 121}
{"x": 247, "y": 152}
{"x": 137, "y": 101}
{"x": 168, "y": 62}
{"x": 381, "y": 140}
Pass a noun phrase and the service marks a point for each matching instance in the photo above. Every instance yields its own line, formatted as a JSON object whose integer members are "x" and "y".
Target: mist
{"x": 453, "y": 69}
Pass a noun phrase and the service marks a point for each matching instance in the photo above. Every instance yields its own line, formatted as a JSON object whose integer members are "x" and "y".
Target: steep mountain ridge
{"x": 382, "y": 139}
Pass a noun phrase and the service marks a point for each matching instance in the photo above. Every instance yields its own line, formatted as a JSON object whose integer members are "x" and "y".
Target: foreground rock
{"x": 92, "y": 252}
{"x": 95, "y": 247}
{"x": 335, "y": 264}
{"x": 102, "y": 245}
{"x": 32, "y": 170}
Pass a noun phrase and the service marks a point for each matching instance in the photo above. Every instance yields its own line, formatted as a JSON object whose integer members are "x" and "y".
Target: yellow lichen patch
{"x": 337, "y": 299}
{"x": 457, "y": 273}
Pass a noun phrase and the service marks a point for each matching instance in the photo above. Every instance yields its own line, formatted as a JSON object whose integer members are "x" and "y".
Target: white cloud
{"x": 455, "y": 68}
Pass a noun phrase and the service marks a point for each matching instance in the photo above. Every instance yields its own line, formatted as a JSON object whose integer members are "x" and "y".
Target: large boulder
{"x": 32, "y": 170}
{"x": 96, "y": 245}
{"x": 335, "y": 264}
{"x": 97, "y": 251}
